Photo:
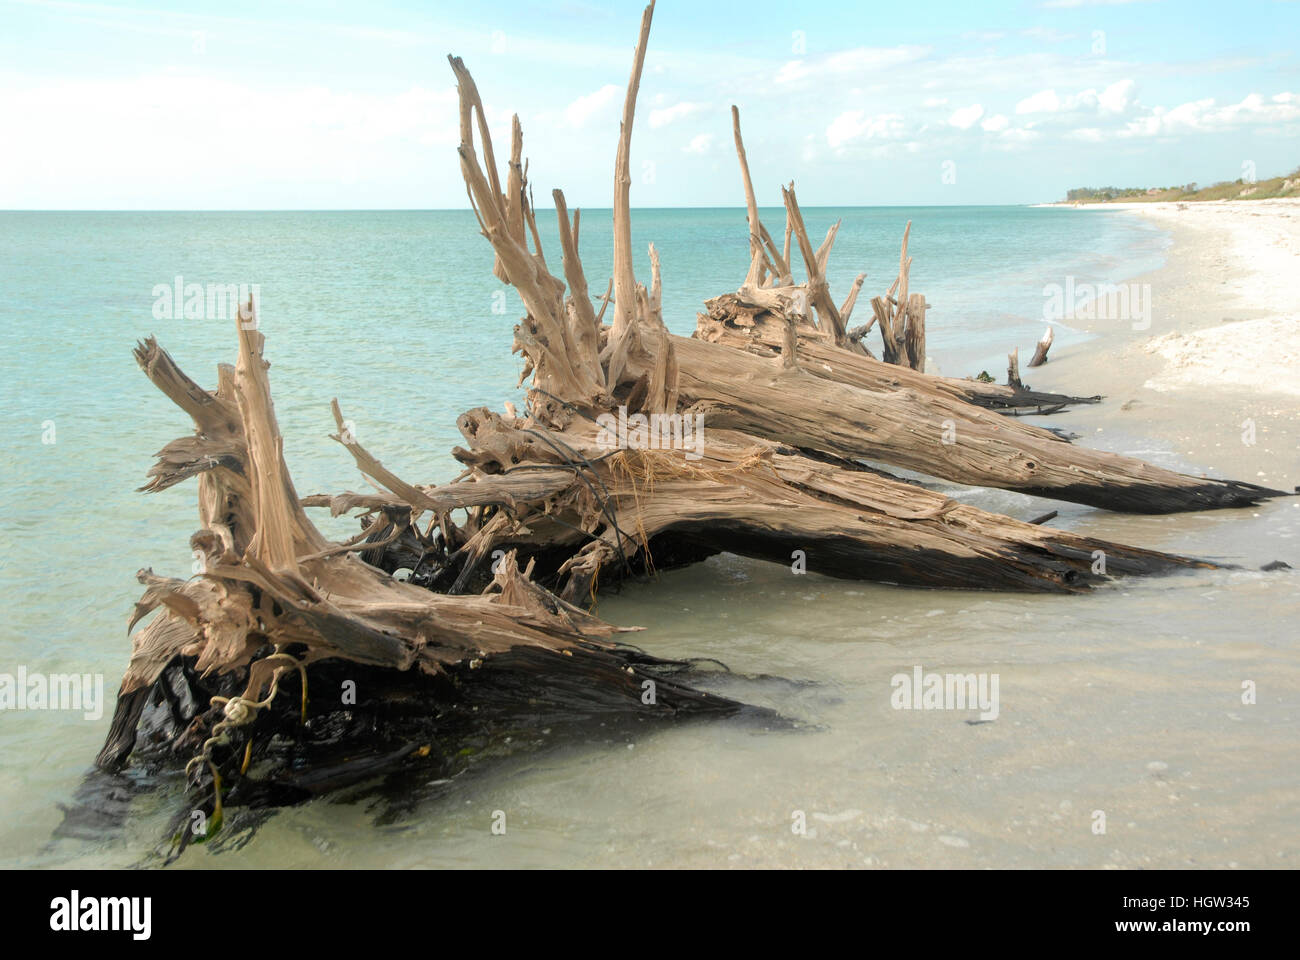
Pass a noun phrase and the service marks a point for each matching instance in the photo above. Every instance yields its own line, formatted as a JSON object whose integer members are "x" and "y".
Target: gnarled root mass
{"x": 274, "y": 601}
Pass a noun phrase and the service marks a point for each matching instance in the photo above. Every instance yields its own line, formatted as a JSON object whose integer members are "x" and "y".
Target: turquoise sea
{"x": 397, "y": 315}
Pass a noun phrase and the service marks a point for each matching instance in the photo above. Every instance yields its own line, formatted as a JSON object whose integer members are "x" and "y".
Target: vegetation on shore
{"x": 1239, "y": 189}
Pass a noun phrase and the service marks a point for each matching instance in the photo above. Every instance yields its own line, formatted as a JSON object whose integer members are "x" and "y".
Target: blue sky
{"x": 315, "y": 105}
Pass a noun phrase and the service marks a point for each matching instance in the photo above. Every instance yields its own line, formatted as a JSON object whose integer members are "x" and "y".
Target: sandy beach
{"x": 1223, "y": 344}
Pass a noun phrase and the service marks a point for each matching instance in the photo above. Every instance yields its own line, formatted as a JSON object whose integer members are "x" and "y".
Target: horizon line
{"x": 467, "y": 209}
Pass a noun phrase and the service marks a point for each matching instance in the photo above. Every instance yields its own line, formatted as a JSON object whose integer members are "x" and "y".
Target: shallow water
{"x": 1127, "y": 701}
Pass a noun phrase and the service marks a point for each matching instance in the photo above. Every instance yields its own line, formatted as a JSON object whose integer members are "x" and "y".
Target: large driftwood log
{"x": 620, "y": 504}
{"x": 866, "y": 410}
{"x": 929, "y": 433}
{"x": 268, "y": 574}
{"x": 756, "y": 320}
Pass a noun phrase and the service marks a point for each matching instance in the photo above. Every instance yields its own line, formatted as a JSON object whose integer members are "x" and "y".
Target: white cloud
{"x": 1116, "y": 97}
{"x": 966, "y": 117}
{"x": 813, "y": 110}
{"x": 1045, "y": 101}
{"x": 700, "y": 143}
{"x": 857, "y": 124}
{"x": 666, "y": 115}
{"x": 1203, "y": 116}
{"x": 1016, "y": 136}
{"x": 236, "y": 138}
{"x": 1046, "y": 34}
{"x": 589, "y": 105}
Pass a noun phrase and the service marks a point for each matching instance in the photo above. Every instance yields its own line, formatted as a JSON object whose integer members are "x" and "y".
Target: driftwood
{"x": 1041, "y": 348}
{"x": 841, "y": 404}
{"x": 774, "y": 476}
{"x": 931, "y": 434}
{"x": 273, "y": 598}
{"x": 902, "y": 319}
{"x": 637, "y": 450}
{"x": 892, "y": 412}
{"x": 1013, "y": 371}
{"x": 634, "y": 509}
{"x": 755, "y": 321}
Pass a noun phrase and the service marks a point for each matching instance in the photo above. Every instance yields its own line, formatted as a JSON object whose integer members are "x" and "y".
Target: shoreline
{"x": 1222, "y": 352}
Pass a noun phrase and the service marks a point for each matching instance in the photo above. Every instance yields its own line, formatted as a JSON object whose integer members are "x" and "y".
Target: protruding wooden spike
{"x": 1040, "y": 350}
{"x": 754, "y": 276}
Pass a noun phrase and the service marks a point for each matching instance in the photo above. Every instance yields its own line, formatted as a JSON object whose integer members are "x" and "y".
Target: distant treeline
{"x": 1285, "y": 186}
{"x": 1121, "y": 193}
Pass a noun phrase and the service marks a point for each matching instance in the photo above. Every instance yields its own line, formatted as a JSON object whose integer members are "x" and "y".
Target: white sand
{"x": 1253, "y": 248}
{"x": 1257, "y": 355}
{"x": 1220, "y": 362}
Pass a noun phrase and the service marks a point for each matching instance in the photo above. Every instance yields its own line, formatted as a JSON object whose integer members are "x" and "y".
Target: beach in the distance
{"x": 1223, "y": 344}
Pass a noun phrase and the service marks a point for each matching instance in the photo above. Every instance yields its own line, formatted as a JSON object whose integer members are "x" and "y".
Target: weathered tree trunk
{"x": 860, "y": 413}
{"x": 272, "y": 597}
{"x": 914, "y": 336}
{"x": 1013, "y": 371}
{"x": 750, "y": 497}
{"x": 755, "y": 320}
{"x": 929, "y": 433}
{"x": 1040, "y": 350}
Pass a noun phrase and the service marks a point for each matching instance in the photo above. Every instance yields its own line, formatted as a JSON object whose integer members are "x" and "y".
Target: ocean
{"x": 397, "y": 315}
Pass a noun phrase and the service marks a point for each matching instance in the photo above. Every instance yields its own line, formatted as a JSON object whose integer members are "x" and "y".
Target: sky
{"x": 257, "y": 104}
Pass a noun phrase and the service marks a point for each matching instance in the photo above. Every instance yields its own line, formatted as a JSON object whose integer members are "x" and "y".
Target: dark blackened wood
{"x": 1013, "y": 370}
